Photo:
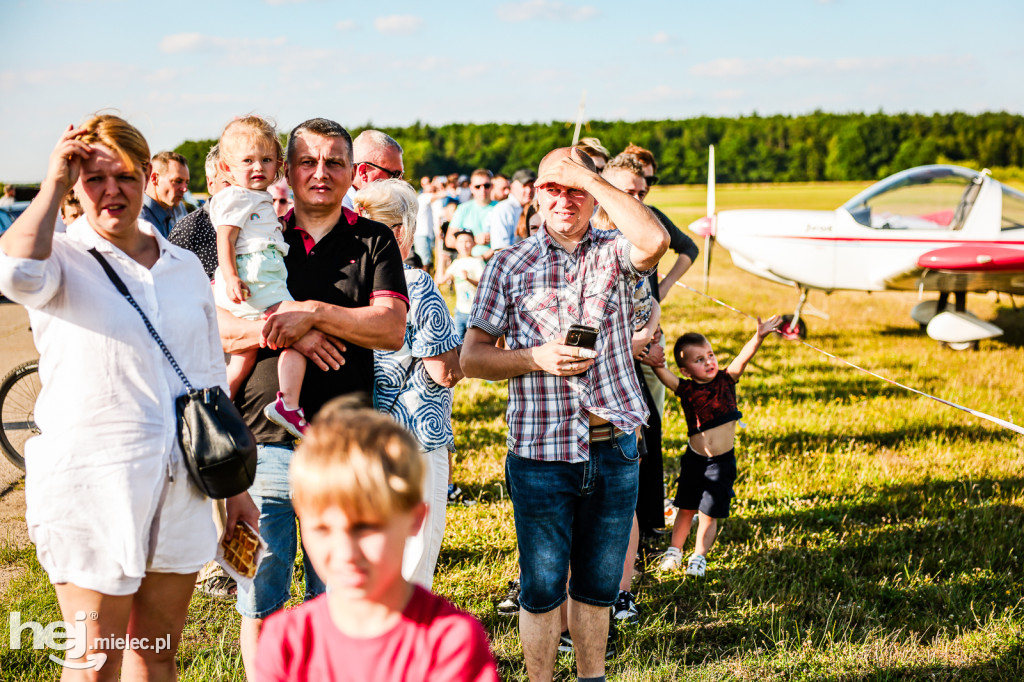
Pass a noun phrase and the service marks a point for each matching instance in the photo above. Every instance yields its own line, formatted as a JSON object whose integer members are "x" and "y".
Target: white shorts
{"x": 181, "y": 538}
{"x": 265, "y": 274}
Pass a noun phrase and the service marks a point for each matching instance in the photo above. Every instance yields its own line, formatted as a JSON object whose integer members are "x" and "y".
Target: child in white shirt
{"x": 251, "y": 274}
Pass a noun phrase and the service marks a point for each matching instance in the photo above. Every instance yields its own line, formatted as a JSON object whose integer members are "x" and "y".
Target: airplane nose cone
{"x": 705, "y": 226}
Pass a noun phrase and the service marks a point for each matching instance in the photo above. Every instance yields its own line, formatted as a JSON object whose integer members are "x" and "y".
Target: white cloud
{"x": 88, "y": 75}
{"x": 547, "y": 10}
{"x": 160, "y": 76}
{"x": 398, "y": 23}
{"x": 727, "y": 95}
{"x": 662, "y": 93}
{"x": 346, "y": 25}
{"x": 198, "y": 42}
{"x": 661, "y": 38}
{"x": 474, "y": 70}
{"x": 431, "y": 63}
{"x": 778, "y": 67}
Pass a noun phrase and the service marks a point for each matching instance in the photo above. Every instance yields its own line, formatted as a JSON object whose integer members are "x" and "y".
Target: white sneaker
{"x": 671, "y": 560}
{"x": 696, "y": 566}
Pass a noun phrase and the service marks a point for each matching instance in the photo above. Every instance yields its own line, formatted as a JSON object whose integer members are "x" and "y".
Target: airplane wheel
{"x": 792, "y": 332}
{"x": 963, "y": 345}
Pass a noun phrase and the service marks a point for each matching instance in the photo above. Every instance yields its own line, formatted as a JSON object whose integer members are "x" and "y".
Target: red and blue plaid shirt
{"x": 530, "y": 293}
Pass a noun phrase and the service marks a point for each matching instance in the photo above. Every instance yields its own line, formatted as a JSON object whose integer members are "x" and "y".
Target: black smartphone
{"x": 581, "y": 336}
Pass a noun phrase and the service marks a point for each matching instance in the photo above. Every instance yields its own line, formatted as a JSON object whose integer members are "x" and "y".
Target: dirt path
{"x": 15, "y": 347}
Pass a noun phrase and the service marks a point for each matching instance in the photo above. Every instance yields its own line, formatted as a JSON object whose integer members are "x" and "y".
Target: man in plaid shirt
{"x": 572, "y": 463}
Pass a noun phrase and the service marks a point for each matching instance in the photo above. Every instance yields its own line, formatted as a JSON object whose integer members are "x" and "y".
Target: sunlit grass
{"x": 876, "y": 534}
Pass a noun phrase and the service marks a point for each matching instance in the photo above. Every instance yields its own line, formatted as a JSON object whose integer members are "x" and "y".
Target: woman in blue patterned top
{"x": 414, "y": 384}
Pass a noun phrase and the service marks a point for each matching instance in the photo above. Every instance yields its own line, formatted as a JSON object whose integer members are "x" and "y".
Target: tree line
{"x": 805, "y": 148}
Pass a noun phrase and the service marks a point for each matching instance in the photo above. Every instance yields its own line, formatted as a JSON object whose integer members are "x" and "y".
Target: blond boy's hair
{"x": 357, "y": 459}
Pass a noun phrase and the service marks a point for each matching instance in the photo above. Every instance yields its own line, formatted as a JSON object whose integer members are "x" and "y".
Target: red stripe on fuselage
{"x": 939, "y": 242}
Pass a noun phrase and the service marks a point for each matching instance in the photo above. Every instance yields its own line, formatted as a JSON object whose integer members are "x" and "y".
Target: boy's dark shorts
{"x": 705, "y": 483}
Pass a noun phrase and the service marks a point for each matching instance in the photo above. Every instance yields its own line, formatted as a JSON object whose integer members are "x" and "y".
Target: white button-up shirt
{"x": 106, "y": 409}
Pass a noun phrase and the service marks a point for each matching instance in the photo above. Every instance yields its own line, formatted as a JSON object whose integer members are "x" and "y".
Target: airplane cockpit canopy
{"x": 937, "y": 197}
{"x": 1013, "y": 209}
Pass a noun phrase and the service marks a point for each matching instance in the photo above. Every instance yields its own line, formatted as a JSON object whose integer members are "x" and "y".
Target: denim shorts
{"x": 271, "y": 587}
{"x": 574, "y": 515}
{"x": 461, "y": 324}
{"x": 705, "y": 483}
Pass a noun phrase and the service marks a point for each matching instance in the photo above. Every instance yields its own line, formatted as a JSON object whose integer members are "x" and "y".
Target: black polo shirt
{"x": 357, "y": 261}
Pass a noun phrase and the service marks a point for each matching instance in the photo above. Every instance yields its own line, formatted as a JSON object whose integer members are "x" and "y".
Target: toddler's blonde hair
{"x": 251, "y": 128}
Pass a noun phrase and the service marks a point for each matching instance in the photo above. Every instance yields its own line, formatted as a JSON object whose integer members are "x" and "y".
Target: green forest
{"x": 811, "y": 147}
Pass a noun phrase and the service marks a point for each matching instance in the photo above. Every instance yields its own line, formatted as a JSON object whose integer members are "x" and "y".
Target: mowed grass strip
{"x": 875, "y": 535}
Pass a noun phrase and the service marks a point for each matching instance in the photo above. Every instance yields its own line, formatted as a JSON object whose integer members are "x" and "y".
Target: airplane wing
{"x": 966, "y": 267}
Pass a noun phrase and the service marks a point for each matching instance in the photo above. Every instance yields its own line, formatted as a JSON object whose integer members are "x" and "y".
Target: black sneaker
{"x": 456, "y": 496}
{"x": 565, "y": 642}
{"x": 509, "y": 606}
{"x": 625, "y": 610}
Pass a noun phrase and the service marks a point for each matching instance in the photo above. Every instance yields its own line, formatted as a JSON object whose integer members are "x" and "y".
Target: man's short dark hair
{"x": 688, "y": 340}
{"x": 160, "y": 161}
{"x": 324, "y": 127}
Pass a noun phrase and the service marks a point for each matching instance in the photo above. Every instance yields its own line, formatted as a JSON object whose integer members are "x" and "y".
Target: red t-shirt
{"x": 708, "y": 405}
{"x": 433, "y": 641}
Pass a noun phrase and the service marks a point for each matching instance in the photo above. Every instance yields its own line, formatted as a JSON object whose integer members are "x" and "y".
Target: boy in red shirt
{"x": 707, "y": 469}
{"x": 357, "y": 489}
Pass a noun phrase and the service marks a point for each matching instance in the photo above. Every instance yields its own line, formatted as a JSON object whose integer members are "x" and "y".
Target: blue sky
{"x": 181, "y": 70}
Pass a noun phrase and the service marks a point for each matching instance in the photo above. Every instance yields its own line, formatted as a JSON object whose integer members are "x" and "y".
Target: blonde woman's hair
{"x": 252, "y": 129}
{"x": 357, "y": 459}
{"x": 601, "y": 221}
{"x": 120, "y": 137}
{"x": 593, "y": 147}
{"x": 390, "y": 202}
{"x": 212, "y": 165}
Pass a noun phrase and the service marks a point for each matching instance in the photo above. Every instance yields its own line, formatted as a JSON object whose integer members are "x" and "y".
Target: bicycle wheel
{"x": 18, "y": 393}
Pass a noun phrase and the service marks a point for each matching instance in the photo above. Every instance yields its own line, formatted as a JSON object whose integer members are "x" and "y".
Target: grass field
{"x": 874, "y": 536}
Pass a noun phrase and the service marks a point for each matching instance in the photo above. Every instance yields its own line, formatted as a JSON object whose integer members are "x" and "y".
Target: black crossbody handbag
{"x": 219, "y": 449}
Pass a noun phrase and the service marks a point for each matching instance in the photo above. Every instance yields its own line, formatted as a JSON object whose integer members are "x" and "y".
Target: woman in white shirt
{"x": 118, "y": 525}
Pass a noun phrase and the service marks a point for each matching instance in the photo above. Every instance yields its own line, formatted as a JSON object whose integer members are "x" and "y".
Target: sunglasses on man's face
{"x": 486, "y": 185}
{"x": 651, "y": 180}
{"x": 396, "y": 174}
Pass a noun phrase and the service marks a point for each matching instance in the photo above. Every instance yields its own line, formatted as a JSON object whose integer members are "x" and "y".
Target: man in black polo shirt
{"x": 345, "y": 273}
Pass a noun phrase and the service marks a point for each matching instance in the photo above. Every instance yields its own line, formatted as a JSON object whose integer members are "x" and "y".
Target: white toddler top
{"x": 252, "y": 211}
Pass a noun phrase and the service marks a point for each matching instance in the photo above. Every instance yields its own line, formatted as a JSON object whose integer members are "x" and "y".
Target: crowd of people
{"x": 309, "y": 286}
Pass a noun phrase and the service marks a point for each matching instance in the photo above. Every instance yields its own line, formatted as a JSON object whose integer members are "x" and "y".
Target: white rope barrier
{"x": 968, "y": 410}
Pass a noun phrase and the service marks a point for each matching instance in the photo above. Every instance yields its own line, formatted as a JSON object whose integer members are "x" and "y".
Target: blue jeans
{"x": 574, "y": 515}
{"x": 271, "y": 587}
{"x": 461, "y": 324}
{"x": 424, "y": 248}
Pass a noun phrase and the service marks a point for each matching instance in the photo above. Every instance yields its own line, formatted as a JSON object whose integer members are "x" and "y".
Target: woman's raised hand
{"x": 66, "y": 158}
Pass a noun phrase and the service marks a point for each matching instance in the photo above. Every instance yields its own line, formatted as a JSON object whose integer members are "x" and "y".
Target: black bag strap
{"x": 120, "y": 286}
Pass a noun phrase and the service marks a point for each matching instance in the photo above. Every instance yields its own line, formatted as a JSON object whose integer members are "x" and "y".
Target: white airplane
{"x": 932, "y": 228}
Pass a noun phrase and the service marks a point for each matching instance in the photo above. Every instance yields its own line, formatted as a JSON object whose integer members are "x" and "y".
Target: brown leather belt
{"x": 604, "y": 432}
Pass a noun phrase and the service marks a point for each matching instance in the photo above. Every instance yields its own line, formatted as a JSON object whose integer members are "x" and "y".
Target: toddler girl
{"x": 251, "y": 274}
